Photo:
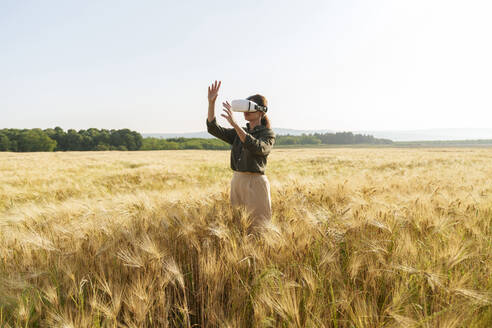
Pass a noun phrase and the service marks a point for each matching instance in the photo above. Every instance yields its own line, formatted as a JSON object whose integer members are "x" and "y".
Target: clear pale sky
{"x": 339, "y": 65}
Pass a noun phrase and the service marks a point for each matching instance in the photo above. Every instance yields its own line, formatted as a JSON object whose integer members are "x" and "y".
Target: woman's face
{"x": 252, "y": 116}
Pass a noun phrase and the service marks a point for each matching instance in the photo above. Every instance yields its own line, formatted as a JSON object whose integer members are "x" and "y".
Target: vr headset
{"x": 245, "y": 105}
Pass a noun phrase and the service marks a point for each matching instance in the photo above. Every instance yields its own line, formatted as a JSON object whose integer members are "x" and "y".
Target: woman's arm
{"x": 213, "y": 128}
{"x": 230, "y": 118}
{"x": 240, "y": 132}
{"x": 213, "y": 92}
{"x": 227, "y": 135}
{"x": 258, "y": 146}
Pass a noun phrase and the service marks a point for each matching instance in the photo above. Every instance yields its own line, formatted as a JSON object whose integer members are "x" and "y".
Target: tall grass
{"x": 359, "y": 238}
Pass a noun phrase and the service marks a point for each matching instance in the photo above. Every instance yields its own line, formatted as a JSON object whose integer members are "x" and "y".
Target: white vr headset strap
{"x": 258, "y": 107}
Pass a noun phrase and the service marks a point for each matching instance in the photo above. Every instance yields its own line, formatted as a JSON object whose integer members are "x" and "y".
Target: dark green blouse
{"x": 250, "y": 156}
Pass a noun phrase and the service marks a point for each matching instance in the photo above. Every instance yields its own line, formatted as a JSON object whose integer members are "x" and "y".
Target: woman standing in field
{"x": 250, "y": 148}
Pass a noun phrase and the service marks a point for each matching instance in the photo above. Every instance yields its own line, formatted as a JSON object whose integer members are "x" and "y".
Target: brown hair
{"x": 260, "y": 100}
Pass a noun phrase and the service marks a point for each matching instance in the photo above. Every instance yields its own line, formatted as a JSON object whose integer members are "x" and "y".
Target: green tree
{"x": 4, "y": 142}
{"x": 73, "y": 140}
{"x": 286, "y": 140}
{"x": 102, "y": 146}
{"x": 35, "y": 140}
{"x": 60, "y": 137}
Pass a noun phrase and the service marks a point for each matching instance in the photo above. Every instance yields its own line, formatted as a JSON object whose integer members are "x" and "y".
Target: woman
{"x": 250, "y": 148}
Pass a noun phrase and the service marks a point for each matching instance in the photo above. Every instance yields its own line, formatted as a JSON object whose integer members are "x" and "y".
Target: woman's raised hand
{"x": 228, "y": 114}
{"x": 213, "y": 91}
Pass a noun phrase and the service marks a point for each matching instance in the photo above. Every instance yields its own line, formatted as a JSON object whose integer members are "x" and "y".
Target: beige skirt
{"x": 253, "y": 191}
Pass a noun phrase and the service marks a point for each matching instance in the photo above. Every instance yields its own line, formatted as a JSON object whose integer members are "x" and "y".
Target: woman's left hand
{"x": 229, "y": 117}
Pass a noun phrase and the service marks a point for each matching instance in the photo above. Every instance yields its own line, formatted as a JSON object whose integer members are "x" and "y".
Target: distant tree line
{"x": 28, "y": 140}
{"x": 338, "y": 138}
{"x": 152, "y": 143}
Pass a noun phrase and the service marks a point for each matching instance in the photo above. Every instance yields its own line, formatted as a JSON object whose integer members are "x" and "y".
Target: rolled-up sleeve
{"x": 259, "y": 146}
{"x": 220, "y": 132}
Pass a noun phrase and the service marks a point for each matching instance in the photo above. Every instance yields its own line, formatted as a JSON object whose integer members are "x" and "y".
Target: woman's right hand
{"x": 213, "y": 91}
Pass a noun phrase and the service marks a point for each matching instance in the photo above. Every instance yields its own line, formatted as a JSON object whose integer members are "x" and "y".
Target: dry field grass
{"x": 359, "y": 238}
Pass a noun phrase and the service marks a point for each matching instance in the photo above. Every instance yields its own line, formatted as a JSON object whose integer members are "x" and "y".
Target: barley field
{"x": 360, "y": 237}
